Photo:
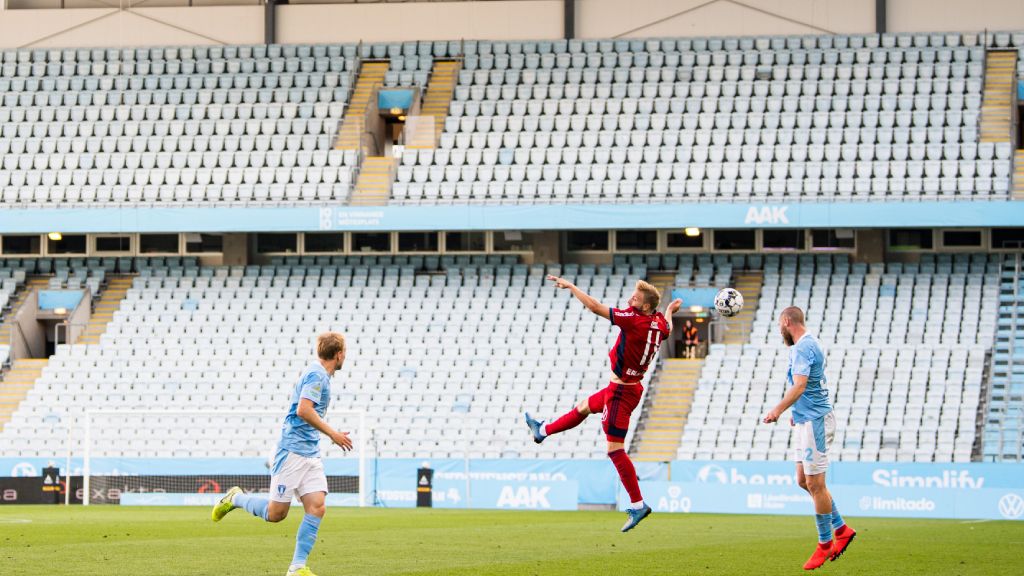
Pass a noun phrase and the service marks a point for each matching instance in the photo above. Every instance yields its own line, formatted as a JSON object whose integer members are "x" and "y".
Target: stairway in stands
{"x": 666, "y": 409}
{"x": 31, "y": 283}
{"x": 1018, "y": 175}
{"x": 373, "y": 187}
{"x": 371, "y": 75}
{"x": 1004, "y": 424}
{"x": 443, "y": 78}
{"x": 738, "y": 327}
{"x": 103, "y": 312}
{"x": 997, "y": 99}
{"x": 16, "y": 383}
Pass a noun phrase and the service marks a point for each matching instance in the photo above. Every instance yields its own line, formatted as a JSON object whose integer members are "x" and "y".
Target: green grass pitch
{"x": 106, "y": 540}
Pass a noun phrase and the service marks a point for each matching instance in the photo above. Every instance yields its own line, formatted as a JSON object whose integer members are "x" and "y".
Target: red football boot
{"x": 822, "y": 553}
{"x": 844, "y": 536}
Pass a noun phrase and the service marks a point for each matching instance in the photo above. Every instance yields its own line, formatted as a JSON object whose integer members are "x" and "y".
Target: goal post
{"x": 188, "y": 456}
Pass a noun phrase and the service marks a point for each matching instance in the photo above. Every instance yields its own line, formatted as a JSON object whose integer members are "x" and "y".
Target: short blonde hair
{"x": 329, "y": 344}
{"x": 651, "y": 294}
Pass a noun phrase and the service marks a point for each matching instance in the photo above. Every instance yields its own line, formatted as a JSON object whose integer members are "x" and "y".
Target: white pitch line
{"x": 975, "y": 521}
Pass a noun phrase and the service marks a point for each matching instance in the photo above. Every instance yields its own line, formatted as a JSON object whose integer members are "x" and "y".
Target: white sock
{"x": 637, "y": 505}
{"x": 543, "y": 434}
{"x": 295, "y": 567}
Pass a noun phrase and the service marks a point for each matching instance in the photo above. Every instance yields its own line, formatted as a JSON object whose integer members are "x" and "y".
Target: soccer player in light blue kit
{"x": 814, "y": 426}
{"x": 297, "y": 468}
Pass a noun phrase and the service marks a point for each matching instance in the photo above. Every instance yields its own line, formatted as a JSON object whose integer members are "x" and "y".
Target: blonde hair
{"x": 651, "y": 294}
{"x": 329, "y": 344}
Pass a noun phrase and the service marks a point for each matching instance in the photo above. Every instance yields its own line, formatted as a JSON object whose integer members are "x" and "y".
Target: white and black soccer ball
{"x": 729, "y": 302}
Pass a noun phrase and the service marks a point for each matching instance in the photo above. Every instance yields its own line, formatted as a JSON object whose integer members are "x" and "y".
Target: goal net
{"x": 192, "y": 457}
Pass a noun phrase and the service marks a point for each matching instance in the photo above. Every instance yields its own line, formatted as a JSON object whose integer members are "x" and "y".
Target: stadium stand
{"x": 907, "y": 384}
{"x": 799, "y": 118}
{"x": 428, "y": 362}
{"x": 234, "y": 124}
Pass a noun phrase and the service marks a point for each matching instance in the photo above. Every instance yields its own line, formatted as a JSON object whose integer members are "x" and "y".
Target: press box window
{"x": 1007, "y": 238}
{"x": 324, "y": 242}
{"x": 684, "y": 241}
{"x": 68, "y": 244}
{"x": 417, "y": 242}
{"x": 910, "y": 239}
{"x": 640, "y": 240}
{"x": 512, "y": 241}
{"x": 113, "y": 243}
{"x": 204, "y": 243}
{"x": 21, "y": 245}
{"x": 371, "y": 242}
{"x": 587, "y": 240}
{"x": 842, "y": 239}
{"x": 961, "y": 238}
{"x": 783, "y": 239}
{"x": 158, "y": 244}
{"x": 277, "y": 243}
{"x": 465, "y": 241}
{"x": 735, "y": 239}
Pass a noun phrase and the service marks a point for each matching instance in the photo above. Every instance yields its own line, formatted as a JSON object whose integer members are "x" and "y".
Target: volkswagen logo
{"x": 1011, "y": 506}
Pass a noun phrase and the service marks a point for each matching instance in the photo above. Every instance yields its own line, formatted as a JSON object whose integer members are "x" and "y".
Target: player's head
{"x": 645, "y": 297}
{"x": 330, "y": 348}
{"x": 791, "y": 320}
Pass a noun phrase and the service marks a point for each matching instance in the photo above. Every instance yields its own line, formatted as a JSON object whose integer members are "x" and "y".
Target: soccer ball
{"x": 729, "y": 302}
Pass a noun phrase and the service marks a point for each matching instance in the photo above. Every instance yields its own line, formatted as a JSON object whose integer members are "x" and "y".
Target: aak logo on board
{"x": 767, "y": 215}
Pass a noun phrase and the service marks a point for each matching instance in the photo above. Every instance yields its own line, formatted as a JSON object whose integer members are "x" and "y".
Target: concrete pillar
{"x": 236, "y": 249}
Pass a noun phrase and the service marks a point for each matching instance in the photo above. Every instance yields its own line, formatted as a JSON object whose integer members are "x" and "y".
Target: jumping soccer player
{"x": 297, "y": 466}
{"x": 641, "y": 330}
{"x": 814, "y": 426}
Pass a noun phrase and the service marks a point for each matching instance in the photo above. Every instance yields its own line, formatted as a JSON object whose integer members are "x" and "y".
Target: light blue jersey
{"x": 297, "y": 436}
{"x": 806, "y": 358}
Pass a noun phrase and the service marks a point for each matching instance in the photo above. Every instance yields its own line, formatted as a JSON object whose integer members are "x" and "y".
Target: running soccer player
{"x": 297, "y": 467}
{"x": 814, "y": 426}
{"x": 641, "y": 330}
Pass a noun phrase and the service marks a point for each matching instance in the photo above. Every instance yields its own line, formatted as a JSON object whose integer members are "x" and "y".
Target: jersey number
{"x": 653, "y": 340}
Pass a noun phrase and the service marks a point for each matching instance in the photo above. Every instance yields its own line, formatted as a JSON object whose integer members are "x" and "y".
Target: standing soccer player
{"x": 814, "y": 426}
{"x": 297, "y": 466}
{"x": 641, "y": 330}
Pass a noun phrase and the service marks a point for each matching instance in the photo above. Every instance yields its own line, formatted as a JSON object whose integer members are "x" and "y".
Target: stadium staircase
{"x": 16, "y": 302}
{"x": 16, "y": 384}
{"x": 1018, "y": 175}
{"x": 371, "y": 75}
{"x": 738, "y": 328}
{"x": 1004, "y": 426}
{"x": 103, "y": 312}
{"x": 665, "y": 410}
{"x": 443, "y": 78}
{"x": 373, "y": 188}
{"x": 997, "y": 102}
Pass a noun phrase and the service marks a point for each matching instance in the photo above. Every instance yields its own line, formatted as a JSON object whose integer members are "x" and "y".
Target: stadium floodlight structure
{"x": 224, "y": 434}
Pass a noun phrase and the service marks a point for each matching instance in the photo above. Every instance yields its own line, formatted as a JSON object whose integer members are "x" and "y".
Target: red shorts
{"x": 616, "y": 403}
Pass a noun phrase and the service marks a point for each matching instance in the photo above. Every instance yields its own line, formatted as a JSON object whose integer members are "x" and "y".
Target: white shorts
{"x": 298, "y": 476}
{"x": 812, "y": 441}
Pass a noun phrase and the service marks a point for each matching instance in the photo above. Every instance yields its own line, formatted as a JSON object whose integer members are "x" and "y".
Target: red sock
{"x": 567, "y": 421}
{"x": 627, "y": 473}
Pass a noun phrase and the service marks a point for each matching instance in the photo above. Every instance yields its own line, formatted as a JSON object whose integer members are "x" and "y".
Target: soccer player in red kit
{"x": 642, "y": 329}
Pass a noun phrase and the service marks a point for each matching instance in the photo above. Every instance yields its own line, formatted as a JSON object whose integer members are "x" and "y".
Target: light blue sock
{"x": 824, "y": 527}
{"x": 305, "y": 539}
{"x": 255, "y": 505}
{"x": 837, "y": 520}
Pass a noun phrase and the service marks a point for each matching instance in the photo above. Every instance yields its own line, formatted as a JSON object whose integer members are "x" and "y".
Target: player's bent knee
{"x": 583, "y": 407}
{"x": 615, "y": 447}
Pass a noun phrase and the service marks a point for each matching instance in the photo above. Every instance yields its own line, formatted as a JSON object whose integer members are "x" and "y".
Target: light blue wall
{"x": 517, "y": 217}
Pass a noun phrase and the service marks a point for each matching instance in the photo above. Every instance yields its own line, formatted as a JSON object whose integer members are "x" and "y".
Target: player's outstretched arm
{"x": 589, "y": 301}
{"x": 671, "y": 309}
{"x": 307, "y": 412}
{"x": 792, "y": 395}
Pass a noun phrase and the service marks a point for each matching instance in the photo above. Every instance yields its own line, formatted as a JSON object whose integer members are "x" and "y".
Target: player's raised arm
{"x": 589, "y": 301}
{"x": 671, "y": 309}
{"x": 792, "y": 395}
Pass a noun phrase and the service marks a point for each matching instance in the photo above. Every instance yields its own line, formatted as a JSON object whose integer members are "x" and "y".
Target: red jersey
{"x": 640, "y": 337}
